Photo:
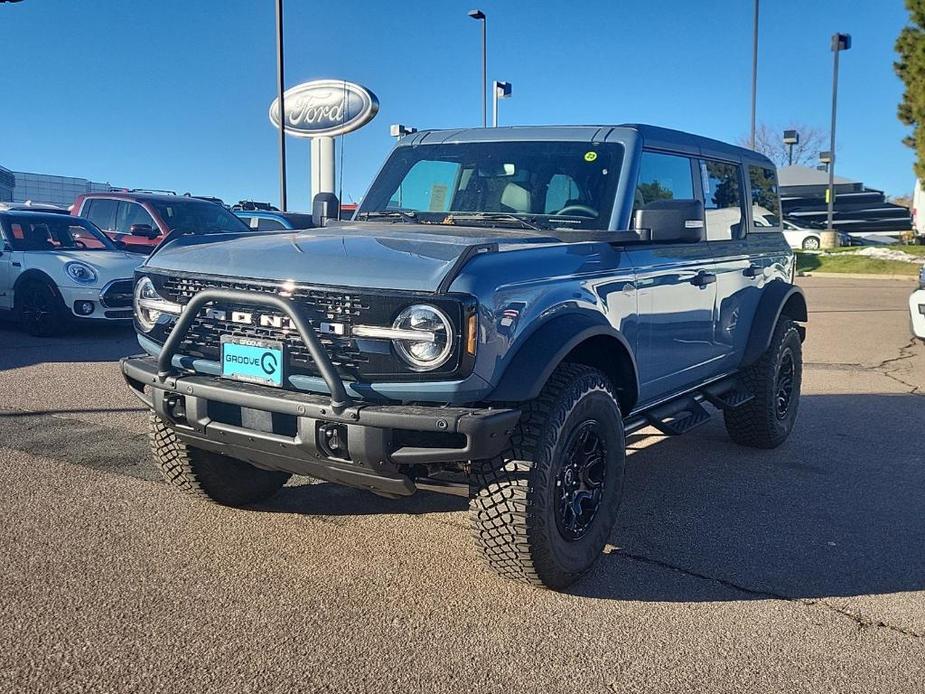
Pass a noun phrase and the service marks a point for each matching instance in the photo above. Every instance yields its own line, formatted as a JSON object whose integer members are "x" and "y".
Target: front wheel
{"x": 775, "y": 380}
{"x": 811, "y": 243}
{"x": 542, "y": 513}
{"x": 39, "y": 308}
{"x": 210, "y": 475}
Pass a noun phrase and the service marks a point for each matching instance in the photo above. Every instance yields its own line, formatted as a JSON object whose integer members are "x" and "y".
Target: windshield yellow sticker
{"x": 590, "y": 156}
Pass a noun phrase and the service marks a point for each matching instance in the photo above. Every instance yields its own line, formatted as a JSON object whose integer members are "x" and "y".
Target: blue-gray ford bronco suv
{"x": 504, "y": 308}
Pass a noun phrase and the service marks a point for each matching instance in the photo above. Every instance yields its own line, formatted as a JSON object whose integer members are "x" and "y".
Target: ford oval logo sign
{"x": 324, "y": 108}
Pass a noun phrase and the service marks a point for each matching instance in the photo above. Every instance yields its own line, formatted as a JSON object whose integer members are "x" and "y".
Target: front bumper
{"x": 383, "y": 448}
{"x": 71, "y": 295}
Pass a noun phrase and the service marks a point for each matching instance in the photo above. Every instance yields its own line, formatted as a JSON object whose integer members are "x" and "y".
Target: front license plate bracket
{"x": 253, "y": 360}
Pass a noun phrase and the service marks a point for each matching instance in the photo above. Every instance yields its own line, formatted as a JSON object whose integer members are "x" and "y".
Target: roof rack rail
{"x": 152, "y": 190}
{"x": 254, "y": 205}
{"x": 208, "y": 198}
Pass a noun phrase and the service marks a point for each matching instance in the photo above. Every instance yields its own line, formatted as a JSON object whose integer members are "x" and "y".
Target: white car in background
{"x": 800, "y": 238}
{"x": 917, "y": 308}
{"x": 56, "y": 269}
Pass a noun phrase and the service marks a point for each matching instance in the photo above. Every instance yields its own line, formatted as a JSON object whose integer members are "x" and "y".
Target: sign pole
{"x": 322, "y": 165}
{"x": 282, "y": 107}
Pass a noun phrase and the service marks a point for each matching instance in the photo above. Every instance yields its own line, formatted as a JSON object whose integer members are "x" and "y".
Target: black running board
{"x": 686, "y": 412}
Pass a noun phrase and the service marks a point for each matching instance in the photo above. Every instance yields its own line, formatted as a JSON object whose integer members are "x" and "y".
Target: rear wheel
{"x": 775, "y": 381}
{"x": 542, "y": 513}
{"x": 39, "y": 308}
{"x": 811, "y": 243}
{"x": 210, "y": 475}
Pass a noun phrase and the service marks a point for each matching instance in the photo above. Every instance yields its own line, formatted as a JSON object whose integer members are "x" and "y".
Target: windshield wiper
{"x": 491, "y": 217}
{"x": 409, "y": 217}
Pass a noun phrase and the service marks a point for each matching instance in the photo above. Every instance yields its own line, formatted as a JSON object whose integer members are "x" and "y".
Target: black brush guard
{"x": 374, "y": 456}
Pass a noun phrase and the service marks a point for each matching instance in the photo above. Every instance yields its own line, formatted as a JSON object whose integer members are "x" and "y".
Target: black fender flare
{"x": 774, "y": 298}
{"x": 544, "y": 349}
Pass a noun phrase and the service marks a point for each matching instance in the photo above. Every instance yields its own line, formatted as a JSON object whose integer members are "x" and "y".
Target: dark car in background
{"x": 274, "y": 220}
{"x": 139, "y": 220}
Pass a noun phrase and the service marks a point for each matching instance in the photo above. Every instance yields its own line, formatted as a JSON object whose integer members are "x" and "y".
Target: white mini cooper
{"x": 55, "y": 268}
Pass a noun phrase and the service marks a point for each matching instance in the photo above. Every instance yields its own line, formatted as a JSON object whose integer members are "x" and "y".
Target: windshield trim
{"x": 602, "y": 193}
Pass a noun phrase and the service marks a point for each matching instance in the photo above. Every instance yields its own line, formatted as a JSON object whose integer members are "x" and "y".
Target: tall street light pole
{"x": 281, "y": 86}
{"x": 840, "y": 42}
{"x": 754, "y": 74}
{"x": 499, "y": 90}
{"x": 791, "y": 138}
{"x": 479, "y": 16}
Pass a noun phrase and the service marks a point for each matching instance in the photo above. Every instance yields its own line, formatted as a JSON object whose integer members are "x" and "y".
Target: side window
{"x": 101, "y": 212}
{"x": 663, "y": 177}
{"x": 765, "y": 197}
{"x": 132, "y": 213}
{"x": 559, "y": 191}
{"x": 722, "y": 200}
{"x": 249, "y": 221}
{"x": 268, "y": 224}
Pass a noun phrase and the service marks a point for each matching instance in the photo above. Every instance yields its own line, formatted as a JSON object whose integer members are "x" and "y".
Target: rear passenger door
{"x": 7, "y": 276}
{"x": 675, "y": 288}
{"x": 739, "y": 269}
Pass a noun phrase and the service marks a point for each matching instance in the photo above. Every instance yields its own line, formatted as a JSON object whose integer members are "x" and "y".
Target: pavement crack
{"x": 860, "y": 621}
{"x": 905, "y": 352}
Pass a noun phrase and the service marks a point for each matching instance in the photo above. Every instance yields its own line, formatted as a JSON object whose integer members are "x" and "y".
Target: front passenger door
{"x": 676, "y": 289}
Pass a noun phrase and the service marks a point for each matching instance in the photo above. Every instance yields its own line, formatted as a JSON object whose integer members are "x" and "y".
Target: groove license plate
{"x": 254, "y": 361}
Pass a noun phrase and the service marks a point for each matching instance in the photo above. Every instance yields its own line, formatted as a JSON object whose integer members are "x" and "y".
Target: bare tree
{"x": 770, "y": 142}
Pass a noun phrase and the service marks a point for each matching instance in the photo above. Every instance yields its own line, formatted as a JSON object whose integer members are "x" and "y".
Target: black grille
{"x": 118, "y": 294}
{"x": 204, "y": 336}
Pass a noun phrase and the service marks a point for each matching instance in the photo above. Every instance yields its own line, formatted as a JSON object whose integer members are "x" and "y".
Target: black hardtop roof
{"x": 652, "y": 135}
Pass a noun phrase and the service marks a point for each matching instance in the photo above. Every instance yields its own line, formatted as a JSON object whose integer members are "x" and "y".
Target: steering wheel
{"x": 580, "y": 210}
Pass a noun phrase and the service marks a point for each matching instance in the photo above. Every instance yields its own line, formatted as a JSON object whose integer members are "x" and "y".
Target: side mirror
{"x": 144, "y": 230}
{"x": 670, "y": 220}
{"x": 324, "y": 206}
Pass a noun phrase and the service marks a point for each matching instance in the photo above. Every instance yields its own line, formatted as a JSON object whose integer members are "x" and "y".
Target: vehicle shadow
{"x": 78, "y": 343}
{"x": 835, "y": 511}
{"x": 326, "y": 499}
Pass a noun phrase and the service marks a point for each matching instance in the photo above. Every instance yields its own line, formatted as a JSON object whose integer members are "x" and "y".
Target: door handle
{"x": 753, "y": 271}
{"x": 703, "y": 278}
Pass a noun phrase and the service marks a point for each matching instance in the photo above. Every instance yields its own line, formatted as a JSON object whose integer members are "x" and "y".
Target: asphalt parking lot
{"x": 800, "y": 569}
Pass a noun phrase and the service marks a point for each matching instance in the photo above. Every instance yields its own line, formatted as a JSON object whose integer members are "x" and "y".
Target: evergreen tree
{"x": 911, "y": 69}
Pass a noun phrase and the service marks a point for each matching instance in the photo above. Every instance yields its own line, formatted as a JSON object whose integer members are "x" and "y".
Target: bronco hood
{"x": 388, "y": 256}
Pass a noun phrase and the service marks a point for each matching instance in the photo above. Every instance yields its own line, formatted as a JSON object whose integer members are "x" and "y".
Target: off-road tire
{"x": 53, "y": 321}
{"x": 513, "y": 500}
{"x": 209, "y": 475}
{"x": 757, "y": 423}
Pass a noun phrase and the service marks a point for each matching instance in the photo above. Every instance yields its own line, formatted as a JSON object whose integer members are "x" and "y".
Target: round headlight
{"x": 146, "y": 298}
{"x": 436, "y": 343}
{"x": 80, "y": 272}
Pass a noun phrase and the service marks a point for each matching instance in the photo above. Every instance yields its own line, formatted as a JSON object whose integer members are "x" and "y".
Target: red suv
{"x": 138, "y": 221}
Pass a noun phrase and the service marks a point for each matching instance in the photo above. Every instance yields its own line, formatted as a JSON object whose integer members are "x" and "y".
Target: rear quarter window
{"x": 765, "y": 198}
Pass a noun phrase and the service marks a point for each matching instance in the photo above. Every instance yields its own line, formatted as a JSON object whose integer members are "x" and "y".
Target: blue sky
{"x": 174, "y": 93}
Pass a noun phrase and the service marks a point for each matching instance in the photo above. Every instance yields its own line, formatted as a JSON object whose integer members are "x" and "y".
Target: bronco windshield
{"x": 54, "y": 232}
{"x": 531, "y": 184}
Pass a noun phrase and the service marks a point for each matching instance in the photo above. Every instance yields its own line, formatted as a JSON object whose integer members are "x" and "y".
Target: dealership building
{"x": 23, "y": 186}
